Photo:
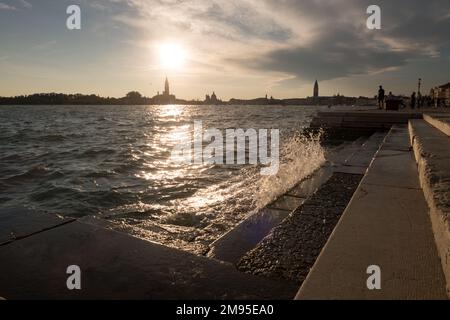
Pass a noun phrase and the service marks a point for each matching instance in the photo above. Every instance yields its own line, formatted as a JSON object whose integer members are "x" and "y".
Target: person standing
{"x": 419, "y": 100}
{"x": 381, "y": 98}
{"x": 413, "y": 100}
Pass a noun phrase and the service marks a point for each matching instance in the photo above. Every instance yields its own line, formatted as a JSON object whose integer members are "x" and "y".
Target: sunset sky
{"x": 238, "y": 48}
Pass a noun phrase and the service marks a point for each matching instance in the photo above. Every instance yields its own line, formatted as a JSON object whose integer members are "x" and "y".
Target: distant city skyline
{"x": 168, "y": 98}
{"x": 238, "y": 48}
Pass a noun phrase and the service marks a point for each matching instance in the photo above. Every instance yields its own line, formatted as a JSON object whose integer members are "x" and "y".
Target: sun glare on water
{"x": 172, "y": 56}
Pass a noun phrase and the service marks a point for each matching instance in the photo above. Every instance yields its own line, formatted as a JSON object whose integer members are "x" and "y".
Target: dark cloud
{"x": 342, "y": 46}
{"x": 430, "y": 25}
{"x": 340, "y": 53}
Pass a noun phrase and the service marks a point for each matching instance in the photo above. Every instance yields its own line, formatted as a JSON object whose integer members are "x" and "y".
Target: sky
{"x": 237, "y": 48}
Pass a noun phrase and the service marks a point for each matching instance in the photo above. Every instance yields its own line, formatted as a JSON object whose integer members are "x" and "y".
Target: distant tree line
{"x": 132, "y": 97}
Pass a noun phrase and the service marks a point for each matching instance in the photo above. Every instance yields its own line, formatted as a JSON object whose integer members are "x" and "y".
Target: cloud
{"x": 300, "y": 39}
{"x": 237, "y": 20}
{"x": 4, "y": 6}
{"x": 242, "y": 20}
{"x": 345, "y": 51}
{"x": 22, "y": 3}
{"x": 339, "y": 45}
{"x": 25, "y": 4}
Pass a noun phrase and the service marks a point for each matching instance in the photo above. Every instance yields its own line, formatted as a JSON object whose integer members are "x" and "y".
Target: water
{"x": 113, "y": 162}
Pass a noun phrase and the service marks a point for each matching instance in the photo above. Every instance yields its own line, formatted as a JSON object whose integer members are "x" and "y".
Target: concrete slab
{"x": 17, "y": 223}
{"x": 307, "y": 187}
{"x": 432, "y": 153}
{"x": 398, "y": 140}
{"x": 339, "y": 157}
{"x": 287, "y": 203}
{"x": 433, "y": 142}
{"x": 385, "y": 224}
{"x": 362, "y": 158}
{"x": 363, "y": 119}
{"x": 424, "y": 129}
{"x": 441, "y": 123}
{"x": 358, "y": 162}
{"x": 373, "y": 113}
{"x": 388, "y": 227}
{"x": 350, "y": 169}
{"x": 245, "y": 236}
{"x": 117, "y": 266}
{"x": 402, "y": 163}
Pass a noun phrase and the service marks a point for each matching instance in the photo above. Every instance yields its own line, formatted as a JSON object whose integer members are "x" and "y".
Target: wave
{"x": 52, "y": 138}
{"x": 37, "y": 172}
{"x": 95, "y": 152}
{"x": 12, "y": 157}
{"x": 300, "y": 156}
{"x": 55, "y": 192}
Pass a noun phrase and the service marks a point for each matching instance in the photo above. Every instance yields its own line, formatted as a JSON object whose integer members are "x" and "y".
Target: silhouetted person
{"x": 381, "y": 98}
{"x": 413, "y": 100}
{"x": 419, "y": 100}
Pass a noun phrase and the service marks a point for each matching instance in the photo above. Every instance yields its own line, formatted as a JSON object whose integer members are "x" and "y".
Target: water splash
{"x": 300, "y": 156}
{"x": 194, "y": 222}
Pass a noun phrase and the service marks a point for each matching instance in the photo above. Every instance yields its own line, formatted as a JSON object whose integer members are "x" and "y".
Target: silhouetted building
{"x": 441, "y": 95}
{"x": 165, "y": 97}
{"x": 212, "y": 99}
{"x": 166, "y": 88}
{"x": 316, "y": 90}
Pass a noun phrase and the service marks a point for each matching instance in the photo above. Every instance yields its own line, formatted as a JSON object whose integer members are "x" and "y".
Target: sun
{"x": 172, "y": 56}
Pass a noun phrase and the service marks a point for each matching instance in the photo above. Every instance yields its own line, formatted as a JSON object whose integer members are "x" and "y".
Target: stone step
{"x": 385, "y": 224}
{"x": 432, "y": 152}
{"x": 118, "y": 266}
{"x": 21, "y": 223}
{"x": 374, "y": 115}
{"x": 439, "y": 121}
{"x": 246, "y": 235}
{"x": 363, "y": 156}
{"x": 361, "y": 119}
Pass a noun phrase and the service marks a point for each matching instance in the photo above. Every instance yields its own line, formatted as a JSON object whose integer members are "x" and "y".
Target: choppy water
{"x": 113, "y": 162}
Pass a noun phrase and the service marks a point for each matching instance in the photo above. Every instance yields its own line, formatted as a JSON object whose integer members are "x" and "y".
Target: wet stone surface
{"x": 291, "y": 249}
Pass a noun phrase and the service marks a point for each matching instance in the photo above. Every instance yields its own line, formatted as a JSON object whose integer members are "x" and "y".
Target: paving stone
{"x": 16, "y": 223}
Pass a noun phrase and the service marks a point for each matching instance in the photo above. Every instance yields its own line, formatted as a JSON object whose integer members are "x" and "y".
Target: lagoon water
{"x": 113, "y": 163}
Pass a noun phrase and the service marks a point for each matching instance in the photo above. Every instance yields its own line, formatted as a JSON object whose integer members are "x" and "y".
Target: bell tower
{"x": 166, "y": 88}
{"x": 316, "y": 90}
